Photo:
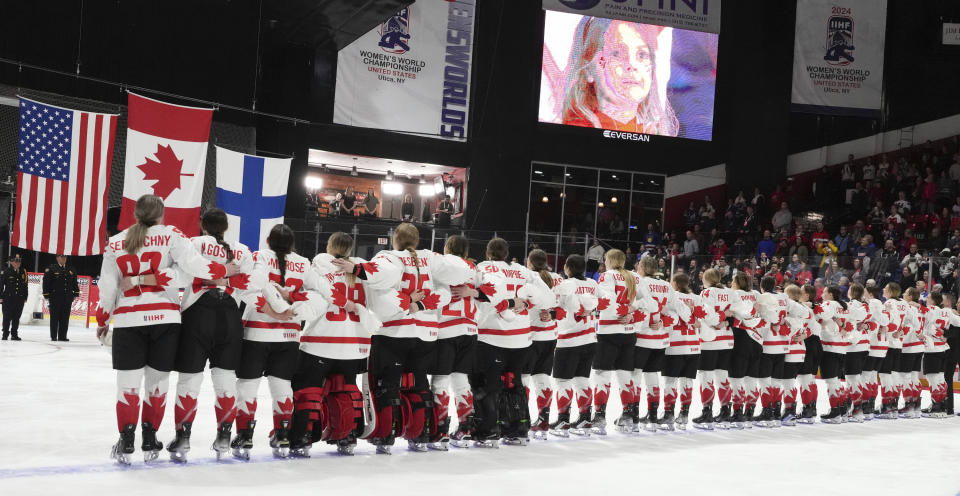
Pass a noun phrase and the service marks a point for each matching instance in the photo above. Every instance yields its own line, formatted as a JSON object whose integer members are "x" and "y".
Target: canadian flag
{"x": 166, "y": 156}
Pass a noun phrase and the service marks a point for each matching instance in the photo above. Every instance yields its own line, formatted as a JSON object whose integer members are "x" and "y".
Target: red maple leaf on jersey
{"x": 602, "y": 304}
{"x": 698, "y": 313}
{"x": 296, "y": 296}
{"x": 622, "y": 309}
{"x": 165, "y": 168}
{"x": 240, "y": 281}
{"x": 102, "y": 317}
{"x": 370, "y": 267}
{"x": 163, "y": 280}
{"x": 404, "y": 300}
{"x": 639, "y": 316}
{"x": 666, "y": 320}
{"x": 261, "y": 303}
{"x": 217, "y": 271}
{"x": 430, "y": 300}
{"x": 339, "y": 295}
{"x": 560, "y": 313}
{"x": 817, "y": 310}
{"x": 488, "y": 289}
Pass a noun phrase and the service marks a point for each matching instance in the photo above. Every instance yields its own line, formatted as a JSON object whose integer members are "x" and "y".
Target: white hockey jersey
{"x": 721, "y": 299}
{"x": 937, "y": 322}
{"x": 859, "y": 336}
{"x": 163, "y": 247}
{"x": 392, "y": 276}
{"x": 209, "y": 248}
{"x": 459, "y": 317}
{"x": 337, "y": 333}
{"x": 545, "y": 331}
{"x": 299, "y": 280}
{"x": 685, "y": 332}
{"x": 498, "y": 324}
{"x": 913, "y": 341}
{"x": 774, "y": 310}
{"x": 877, "y": 328}
{"x": 576, "y": 323}
{"x": 614, "y": 302}
{"x": 802, "y": 325}
{"x": 653, "y": 296}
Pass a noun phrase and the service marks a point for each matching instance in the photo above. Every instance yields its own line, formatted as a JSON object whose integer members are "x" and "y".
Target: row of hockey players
{"x": 310, "y": 329}
{"x": 486, "y": 334}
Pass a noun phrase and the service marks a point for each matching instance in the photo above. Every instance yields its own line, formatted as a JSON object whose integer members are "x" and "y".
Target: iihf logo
{"x": 839, "y": 40}
{"x": 395, "y": 33}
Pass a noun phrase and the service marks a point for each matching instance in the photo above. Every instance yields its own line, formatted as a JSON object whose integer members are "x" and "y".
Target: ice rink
{"x": 57, "y": 411}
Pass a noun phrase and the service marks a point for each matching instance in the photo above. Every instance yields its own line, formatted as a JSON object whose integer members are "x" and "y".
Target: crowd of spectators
{"x": 869, "y": 221}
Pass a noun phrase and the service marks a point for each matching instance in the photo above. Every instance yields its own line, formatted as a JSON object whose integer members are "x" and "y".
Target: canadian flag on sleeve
{"x": 166, "y": 156}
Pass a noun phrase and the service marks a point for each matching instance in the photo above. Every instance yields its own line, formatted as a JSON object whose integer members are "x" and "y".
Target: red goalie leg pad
{"x": 154, "y": 406}
{"x": 226, "y": 409}
{"x": 128, "y": 410}
{"x": 344, "y": 413}
{"x": 185, "y": 410}
{"x": 417, "y": 410}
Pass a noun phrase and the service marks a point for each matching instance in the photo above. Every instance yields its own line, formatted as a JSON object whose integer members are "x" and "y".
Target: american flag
{"x": 63, "y": 177}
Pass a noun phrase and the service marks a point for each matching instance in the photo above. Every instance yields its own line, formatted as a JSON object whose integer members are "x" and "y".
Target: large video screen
{"x": 624, "y": 76}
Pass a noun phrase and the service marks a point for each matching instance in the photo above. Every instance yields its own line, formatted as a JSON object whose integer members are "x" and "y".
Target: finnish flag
{"x": 253, "y": 192}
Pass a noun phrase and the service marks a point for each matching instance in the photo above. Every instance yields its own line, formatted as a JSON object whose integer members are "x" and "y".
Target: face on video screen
{"x": 624, "y": 76}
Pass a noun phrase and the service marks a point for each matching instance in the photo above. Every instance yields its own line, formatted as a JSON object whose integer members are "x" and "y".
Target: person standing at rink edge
{"x": 13, "y": 291}
{"x": 59, "y": 289}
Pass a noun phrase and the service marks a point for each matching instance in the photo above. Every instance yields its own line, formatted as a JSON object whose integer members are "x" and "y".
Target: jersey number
{"x": 356, "y": 295}
{"x": 130, "y": 265}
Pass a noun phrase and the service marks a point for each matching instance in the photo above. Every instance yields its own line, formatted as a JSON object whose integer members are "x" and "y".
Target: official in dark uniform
{"x": 13, "y": 291}
{"x": 60, "y": 288}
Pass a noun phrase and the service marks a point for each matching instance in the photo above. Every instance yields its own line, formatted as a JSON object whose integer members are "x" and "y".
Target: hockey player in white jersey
{"x": 939, "y": 318}
{"x": 539, "y": 362}
{"x": 212, "y": 331}
{"x": 136, "y": 290}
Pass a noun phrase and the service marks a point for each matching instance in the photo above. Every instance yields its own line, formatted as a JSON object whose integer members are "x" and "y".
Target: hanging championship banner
{"x": 692, "y": 15}
{"x": 838, "y": 56}
{"x": 411, "y": 73}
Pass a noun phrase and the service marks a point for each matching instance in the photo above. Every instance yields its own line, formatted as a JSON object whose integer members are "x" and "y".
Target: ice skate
{"x": 561, "y": 428}
{"x": 789, "y": 417}
{"x": 180, "y": 445}
{"x": 748, "y": 417}
{"x": 936, "y": 410}
{"x": 442, "y": 445}
{"x": 384, "y": 449}
{"x": 888, "y": 411}
{"x": 775, "y": 416}
{"x": 221, "y": 445}
{"x": 833, "y": 417}
{"x": 705, "y": 420}
{"x": 417, "y": 446}
{"x": 582, "y": 427}
{"x": 491, "y": 441}
{"x": 766, "y": 415}
{"x": 599, "y": 422}
{"x": 650, "y": 421}
{"x": 515, "y": 441}
{"x": 624, "y": 423}
{"x": 666, "y": 422}
{"x": 808, "y": 415}
{"x": 464, "y": 435}
{"x": 913, "y": 410}
{"x": 243, "y": 442}
{"x": 856, "y": 414}
{"x": 683, "y": 418}
{"x": 724, "y": 419}
{"x": 122, "y": 451}
{"x": 738, "y": 419}
{"x": 149, "y": 445}
{"x": 541, "y": 425}
{"x": 345, "y": 447}
{"x": 300, "y": 450}
{"x": 280, "y": 440}
{"x": 868, "y": 410}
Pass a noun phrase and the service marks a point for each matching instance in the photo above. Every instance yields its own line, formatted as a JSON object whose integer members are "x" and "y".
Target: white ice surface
{"x": 57, "y": 424}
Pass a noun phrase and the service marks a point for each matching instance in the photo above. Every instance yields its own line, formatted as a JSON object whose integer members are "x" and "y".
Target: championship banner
{"x": 692, "y": 15}
{"x": 838, "y": 56}
{"x": 412, "y": 73}
{"x": 166, "y": 156}
{"x": 253, "y": 192}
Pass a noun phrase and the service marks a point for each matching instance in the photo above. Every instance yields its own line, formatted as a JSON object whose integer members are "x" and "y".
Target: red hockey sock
{"x": 282, "y": 411}
{"x": 465, "y": 406}
{"x": 706, "y": 393}
{"x": 653, "y": 397}
{"x": 442, "y": 402}
{"x": 670, "y": 398}
{"x": 185, "y": 410}
{"x": 601, "y": 394}
{"x": 226, "y": 409}
{"x": 544, "y": 398}
{"x": 245, "y": 414}
{"x": 725, "y": 393}
{"x": 686, "y": 397}
{"x": 564, "y": 398}
{"x": 154, "y": 406}
{"x": 627, "y": 393}
{"x": 128, "y": 410}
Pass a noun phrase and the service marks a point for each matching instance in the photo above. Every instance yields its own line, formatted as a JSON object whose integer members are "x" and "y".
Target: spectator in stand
{"x": 819, "y": 286}
{"x": 883, "y": 168}
{"x": 827, "y": 253}
{"x": 859, "y": 201}
{"x": 796, "y": 264}
{"x": 594, "y": 257}
{"x": 750, "y": 223}
{"x": 890, "y": 233}
{"x": 740, "y": 249}
{"x": 718, "y": 249}
{"x": 955, "y": 209}
{"x": 798, "y": 235}
{"x": 763, "y": 262}
{"x": 945, "y": 188}
{"x": 894, "y": 217}
{"x": 803, "y": 277}
{"x": 858, "y": 232}
{"x": 902, "y": 204}
{"x": 708, "y": 214}
{"x": 869, "y": 171}
{"x": 842, "y": 241}
{"x": 887, "y": 262}
{"x": 652, "y": 239}
{"x": 819, "y": 236}
{"x": 934, "y": 241}
{"x": 908, "y": 242}
{"x": 782, "y": 218}
{"x": 723, "y": 269}
{"x": 844, "y": 285}
{"x": 907, "y": 278}
{"x": 730, "y": 222}
{"x": 858, "y": 272}
{"x": 877, "y": 193}
{"x": 866, "y": 248}
{"x": 954, "y": 170}
{"x": 798, "y": 249}
{"x": 766, "y": 246}
{"x": 832, "y": 274}
{"x": 691, "y": 247}
{"x": 912, "y": 259}
{"x": 953, "y": 242}
{"x": 847, "y": 175}
{"x": 690, "y": 215}
{"x": 777, "y": 198}
{"x": 700, "y": 237}
{"x": 775, "y": 273}
{"x": 928, "y": 195}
